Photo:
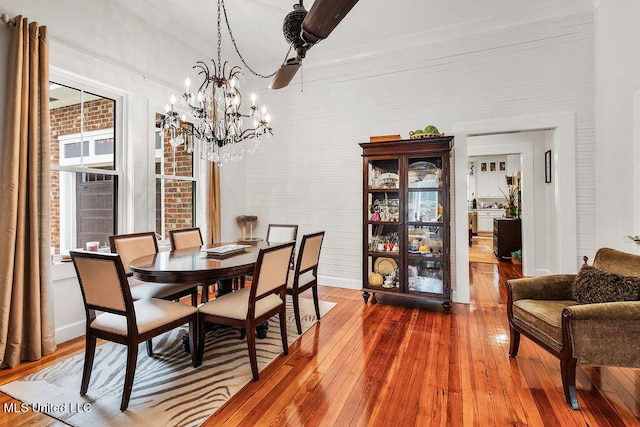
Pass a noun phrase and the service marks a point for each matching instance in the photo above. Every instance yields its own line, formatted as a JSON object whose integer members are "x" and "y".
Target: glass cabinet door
{"x": 424, "y": 172}
{"x": 383, "y": 173}
{"x": 383, "y": 223}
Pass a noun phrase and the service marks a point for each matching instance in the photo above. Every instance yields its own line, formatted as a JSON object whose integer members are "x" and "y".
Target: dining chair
{"x": 122, "y": 320}
{"x": 277, "y": 233}
{"x": 248, "y": 307}
{"x": 135, "y": 245}
{"x": 305, "y": 273}
{"x": 183, "y": 238}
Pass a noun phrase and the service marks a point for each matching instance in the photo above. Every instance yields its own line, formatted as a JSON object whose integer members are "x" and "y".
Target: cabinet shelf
{"x": 413, "y": 215}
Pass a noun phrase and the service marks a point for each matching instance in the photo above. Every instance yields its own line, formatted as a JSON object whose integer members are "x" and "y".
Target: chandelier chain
{"x": 233, "y": 41}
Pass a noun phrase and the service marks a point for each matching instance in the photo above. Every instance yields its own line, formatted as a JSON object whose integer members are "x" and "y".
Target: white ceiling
{"x": 371, "y": 26}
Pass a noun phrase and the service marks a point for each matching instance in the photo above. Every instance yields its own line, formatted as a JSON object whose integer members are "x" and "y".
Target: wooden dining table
{"x": 195, "y": 265}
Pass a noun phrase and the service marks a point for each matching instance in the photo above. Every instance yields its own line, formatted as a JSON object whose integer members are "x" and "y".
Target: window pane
{"x": 174, "y": 205}
{"x": 176, "y": 161}
{"x": 82, "y": 209}
{"x": 78, "y": 116}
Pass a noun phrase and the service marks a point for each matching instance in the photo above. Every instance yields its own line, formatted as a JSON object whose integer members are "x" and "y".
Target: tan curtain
{"x": 26, "y": 304}
{"x": 213, "y": 213}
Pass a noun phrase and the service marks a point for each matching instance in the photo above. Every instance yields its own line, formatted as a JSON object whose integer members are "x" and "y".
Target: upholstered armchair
{"x": 565, "y": 316}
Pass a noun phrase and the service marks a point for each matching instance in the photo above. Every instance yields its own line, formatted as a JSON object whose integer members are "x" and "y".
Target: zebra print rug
{"x": 167, "y": 390}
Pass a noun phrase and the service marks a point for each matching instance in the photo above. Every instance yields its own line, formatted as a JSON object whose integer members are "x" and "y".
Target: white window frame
{"x": 199, "y": 195}
{"x": 67, "y": 223}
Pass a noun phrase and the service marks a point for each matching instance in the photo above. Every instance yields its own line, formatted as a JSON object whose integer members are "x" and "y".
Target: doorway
{"x": 560, "y": 241}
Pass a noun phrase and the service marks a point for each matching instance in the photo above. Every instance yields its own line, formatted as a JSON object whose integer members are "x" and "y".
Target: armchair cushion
{"x": 542, "y": 318}
{"x": 593, "y": 285}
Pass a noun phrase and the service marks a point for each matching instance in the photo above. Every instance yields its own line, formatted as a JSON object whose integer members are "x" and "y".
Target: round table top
{"x": 195, "y": 265}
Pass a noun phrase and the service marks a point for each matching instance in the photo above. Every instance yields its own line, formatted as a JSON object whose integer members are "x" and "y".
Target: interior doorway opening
{"x": 558, "y": 243}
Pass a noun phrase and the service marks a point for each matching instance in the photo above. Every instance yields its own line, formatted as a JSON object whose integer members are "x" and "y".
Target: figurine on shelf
{"x": 376, "y": 213}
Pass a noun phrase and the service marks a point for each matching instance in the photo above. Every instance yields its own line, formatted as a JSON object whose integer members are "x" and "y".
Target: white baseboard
{"x": 70, "y": 331}
{"x": 340, "y": 282}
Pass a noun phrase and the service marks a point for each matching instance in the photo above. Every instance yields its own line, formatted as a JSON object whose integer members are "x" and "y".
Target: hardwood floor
{"x": 406, "y": 363}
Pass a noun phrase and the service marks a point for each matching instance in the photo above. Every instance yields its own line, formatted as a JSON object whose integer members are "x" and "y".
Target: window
{"x": 175, "y": 184}
{"x": 84, "y": 173}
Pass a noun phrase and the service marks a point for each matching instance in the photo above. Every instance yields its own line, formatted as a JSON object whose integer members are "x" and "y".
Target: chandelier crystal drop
{"x": 215, "y": 126}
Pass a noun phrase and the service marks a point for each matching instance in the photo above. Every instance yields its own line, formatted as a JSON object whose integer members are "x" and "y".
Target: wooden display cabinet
{"x": 406, "y": 213}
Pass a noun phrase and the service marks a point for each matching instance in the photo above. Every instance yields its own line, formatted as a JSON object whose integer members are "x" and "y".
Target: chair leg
{"x": 193, "y": 342}
{"x": 201, "y": 337}
{"x": 149, "y": 348}
{"x": 205, "y": 293}
{"x": 253, "y": 358}
{"x": 132, "y": 358}
{"x": 283, "y": 332}
{"x": 194, "y": 296}
{"x": 314, "y": 290}
{"x": 514, "y": 342}
{"x": 568, "y": 371}
{"x": 89, "y": 353}
{"x": 296, "y": 311}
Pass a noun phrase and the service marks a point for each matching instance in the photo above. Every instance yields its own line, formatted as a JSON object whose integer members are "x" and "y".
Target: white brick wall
{"x": 312, "y": 175}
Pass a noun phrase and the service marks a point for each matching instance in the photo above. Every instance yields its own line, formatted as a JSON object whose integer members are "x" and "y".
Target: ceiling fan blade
{"x": 285, "y": 74}
{"x": 323, "y": 17}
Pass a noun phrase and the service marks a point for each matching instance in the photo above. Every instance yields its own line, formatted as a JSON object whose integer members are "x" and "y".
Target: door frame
{"x": 564, "y": 242}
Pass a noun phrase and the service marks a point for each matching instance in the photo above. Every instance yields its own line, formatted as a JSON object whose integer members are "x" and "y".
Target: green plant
{"x": 511, "y": 196}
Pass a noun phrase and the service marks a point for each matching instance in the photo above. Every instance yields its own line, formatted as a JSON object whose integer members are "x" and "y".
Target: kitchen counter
{"x": 487, "y": 210}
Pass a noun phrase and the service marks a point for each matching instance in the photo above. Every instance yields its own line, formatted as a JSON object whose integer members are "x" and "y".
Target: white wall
{"x": 526, "y": 69}
{"x": 618, "y": 152}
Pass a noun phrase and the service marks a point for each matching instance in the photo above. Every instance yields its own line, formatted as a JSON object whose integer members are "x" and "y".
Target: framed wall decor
{"x": 503, "y": 166}
{"x": 547, "y": 166}
{"x": 492, "y": 166}
{"x": 483, "y": 167}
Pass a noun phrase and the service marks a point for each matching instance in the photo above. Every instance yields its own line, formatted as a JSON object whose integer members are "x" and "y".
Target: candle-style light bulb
{"x": 173, "y": 100}
{"x": 264, "y": 109}
{"x": 267, "y": 118}
{"x": 253, "y": 99}
{"x": 167, "y": 108}
{"x": 187, "y": 83}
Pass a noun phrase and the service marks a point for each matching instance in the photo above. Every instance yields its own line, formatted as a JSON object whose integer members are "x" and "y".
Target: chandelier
{"x": 215, "y": 126}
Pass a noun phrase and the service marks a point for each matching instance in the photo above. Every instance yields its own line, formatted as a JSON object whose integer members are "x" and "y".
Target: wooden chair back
{"x": 277, "y": 233}
{"x": 132, "y": 246}
{"x": 271, "y": 270}
{"x": 185, "y": 238}
{"x": 309, "y": 254}
{"x": 103, "y": 282}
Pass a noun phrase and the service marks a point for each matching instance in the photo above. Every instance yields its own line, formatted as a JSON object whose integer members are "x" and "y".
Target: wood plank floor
{"x": 405, "y": 363}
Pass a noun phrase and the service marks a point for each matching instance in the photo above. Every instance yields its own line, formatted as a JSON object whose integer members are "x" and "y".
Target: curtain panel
{"x": 213, "y": 211}
{"x": 26, "y": 307}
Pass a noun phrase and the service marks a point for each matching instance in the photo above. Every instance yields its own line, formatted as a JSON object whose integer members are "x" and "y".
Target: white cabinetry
{"x": 490, "y": 177}
{"x": 485, "y": 218}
